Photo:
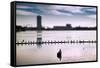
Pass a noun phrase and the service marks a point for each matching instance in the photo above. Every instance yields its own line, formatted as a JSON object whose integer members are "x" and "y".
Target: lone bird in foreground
{"x": 59, "y": 55}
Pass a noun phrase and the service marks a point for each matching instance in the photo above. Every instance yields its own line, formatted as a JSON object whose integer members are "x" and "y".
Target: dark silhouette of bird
{"x": 59, "y": 54}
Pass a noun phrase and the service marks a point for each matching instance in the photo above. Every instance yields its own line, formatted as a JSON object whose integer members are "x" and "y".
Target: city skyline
{"x": 50, "y": 21}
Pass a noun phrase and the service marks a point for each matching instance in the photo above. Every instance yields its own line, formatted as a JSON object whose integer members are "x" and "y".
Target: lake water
{"x": 47, "y": 53}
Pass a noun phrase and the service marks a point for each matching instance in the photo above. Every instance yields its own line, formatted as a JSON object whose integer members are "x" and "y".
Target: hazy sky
{"x": 55, "y": 15}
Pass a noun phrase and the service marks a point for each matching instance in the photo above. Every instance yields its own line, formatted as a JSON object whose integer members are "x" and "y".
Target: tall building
{"x": 39, "y": 32}
{"x": 39, "y": 26}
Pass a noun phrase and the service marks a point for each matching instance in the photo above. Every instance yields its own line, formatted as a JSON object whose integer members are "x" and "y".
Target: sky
{"x": 55, "y": 15}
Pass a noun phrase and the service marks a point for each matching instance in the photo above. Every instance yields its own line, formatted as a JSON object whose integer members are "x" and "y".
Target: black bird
{"x": 59, "y": 55}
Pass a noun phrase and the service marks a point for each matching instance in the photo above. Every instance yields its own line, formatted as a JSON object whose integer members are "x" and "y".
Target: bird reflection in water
{"x": 59, "y": 54}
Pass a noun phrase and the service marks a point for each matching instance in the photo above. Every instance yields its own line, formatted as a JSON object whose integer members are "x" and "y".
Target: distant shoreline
{"x": 68, "y": 27}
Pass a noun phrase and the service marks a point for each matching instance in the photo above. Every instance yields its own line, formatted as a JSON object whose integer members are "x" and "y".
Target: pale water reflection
{"x": 75, "y": 52}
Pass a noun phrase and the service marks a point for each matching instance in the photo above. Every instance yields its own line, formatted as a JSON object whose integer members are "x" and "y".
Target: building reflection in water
{"x": 39, "y": 38}
{"x": 39, "y": 31}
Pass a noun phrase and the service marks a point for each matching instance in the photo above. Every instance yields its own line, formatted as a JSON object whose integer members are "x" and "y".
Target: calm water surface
{"x": 31, "y": 54}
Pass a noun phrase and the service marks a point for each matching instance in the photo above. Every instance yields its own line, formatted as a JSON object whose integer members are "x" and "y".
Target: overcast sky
{"x": 55, "y": 15}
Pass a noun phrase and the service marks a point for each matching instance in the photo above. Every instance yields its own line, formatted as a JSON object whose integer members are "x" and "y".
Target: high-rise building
{"x": 39, "y": 26}
{"x": 39, "y": 32}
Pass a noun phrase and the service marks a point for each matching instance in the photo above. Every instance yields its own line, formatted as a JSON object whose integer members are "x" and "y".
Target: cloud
{"x": 39, "y": 9}
{"x": 89, "y": 11}
{"x": 21, "y": 6}
{"x": 73, "y": 9}
{"x": 92, "y": 16}
{"x": 22, "y": 12}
